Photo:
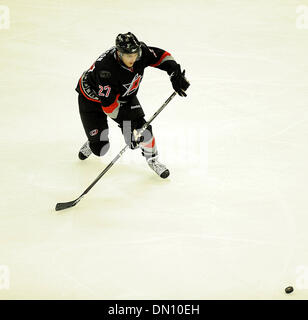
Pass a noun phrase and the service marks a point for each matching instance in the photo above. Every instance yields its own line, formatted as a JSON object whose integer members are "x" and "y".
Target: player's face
{"x": 129, "y": 59}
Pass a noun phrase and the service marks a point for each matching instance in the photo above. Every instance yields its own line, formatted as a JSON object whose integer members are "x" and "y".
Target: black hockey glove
{"x": 179, "y": 81}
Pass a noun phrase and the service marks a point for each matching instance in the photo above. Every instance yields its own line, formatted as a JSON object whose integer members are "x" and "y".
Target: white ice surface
{"x": 231, "y": 221}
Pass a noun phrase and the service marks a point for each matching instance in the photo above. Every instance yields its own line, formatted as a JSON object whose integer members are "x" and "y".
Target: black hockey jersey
{"x": 110, "y": 82}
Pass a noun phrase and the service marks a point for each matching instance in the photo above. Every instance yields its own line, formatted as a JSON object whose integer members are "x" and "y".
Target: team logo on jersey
{"x": 133, "y": 86}
{"x": 93, "y": 132}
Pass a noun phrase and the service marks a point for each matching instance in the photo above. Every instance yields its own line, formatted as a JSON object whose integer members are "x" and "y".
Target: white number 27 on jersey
{"x": 102, "y": 89}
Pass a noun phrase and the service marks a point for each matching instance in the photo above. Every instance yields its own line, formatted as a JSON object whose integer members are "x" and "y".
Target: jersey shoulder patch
{"x": 104, "y": 74}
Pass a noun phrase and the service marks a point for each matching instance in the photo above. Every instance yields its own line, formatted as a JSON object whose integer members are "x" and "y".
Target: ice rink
{"x": 230, "y": 222}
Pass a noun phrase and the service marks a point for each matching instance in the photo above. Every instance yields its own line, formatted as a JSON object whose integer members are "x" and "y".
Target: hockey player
{"x": 109, "y": 89}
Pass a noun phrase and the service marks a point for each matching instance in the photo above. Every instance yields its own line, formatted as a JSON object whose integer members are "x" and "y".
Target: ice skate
{"x": 158, "y": 167}
{"x": 85, "y": 151}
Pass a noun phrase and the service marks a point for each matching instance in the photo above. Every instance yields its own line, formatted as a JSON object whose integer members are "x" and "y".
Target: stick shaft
{"x": 157, "y": 113}
{"x": 115, "y": 159}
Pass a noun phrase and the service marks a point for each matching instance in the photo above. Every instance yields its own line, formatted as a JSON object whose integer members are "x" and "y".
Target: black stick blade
{"x": 66, "y": 205}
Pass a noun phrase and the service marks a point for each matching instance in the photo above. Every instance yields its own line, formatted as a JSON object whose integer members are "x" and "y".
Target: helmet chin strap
{"x": 120, "y": 54}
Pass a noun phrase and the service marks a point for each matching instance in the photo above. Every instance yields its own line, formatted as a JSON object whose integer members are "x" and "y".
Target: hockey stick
{"x": 66, "y": 205}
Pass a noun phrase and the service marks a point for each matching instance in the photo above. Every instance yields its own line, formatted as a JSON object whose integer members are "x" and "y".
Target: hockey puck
{"x": 288, "y": 289}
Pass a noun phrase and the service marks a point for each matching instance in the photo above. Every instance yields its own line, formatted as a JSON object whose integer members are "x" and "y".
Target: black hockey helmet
{"x": 128, "y": 43}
